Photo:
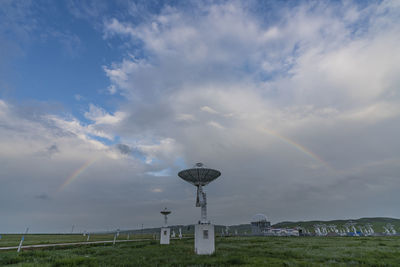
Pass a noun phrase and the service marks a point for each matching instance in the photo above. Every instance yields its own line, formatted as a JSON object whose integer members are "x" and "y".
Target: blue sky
{"x": 297, "y": 103}
{"x": 61, "y": 58}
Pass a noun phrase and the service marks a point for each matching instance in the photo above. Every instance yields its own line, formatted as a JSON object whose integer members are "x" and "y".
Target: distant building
{"x": 260, "y": 224}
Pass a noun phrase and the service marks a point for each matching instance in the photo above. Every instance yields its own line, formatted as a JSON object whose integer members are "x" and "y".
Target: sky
{"x": 102, "y": 103}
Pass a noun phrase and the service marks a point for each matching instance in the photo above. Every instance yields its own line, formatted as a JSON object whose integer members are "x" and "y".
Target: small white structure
{"x": 173, "y": 234}
{"x": 180, "y": 233}
{"x": 164, "y": 237}
{"x": 204, "y": 237}
{"x": 204, "y": 240}
{"x": 389, "y": 229}
{"x": 165, "y": 231}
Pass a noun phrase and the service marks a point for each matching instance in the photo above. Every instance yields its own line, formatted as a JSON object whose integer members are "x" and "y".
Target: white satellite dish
{"x": 200, "y": 176}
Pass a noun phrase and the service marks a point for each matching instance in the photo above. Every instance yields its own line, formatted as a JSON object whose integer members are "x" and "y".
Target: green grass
{"x": 9, "y": 240}
{"x": 233, "y": 251}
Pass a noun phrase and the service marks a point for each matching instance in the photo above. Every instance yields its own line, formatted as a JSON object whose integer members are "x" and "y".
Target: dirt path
{"x": 72, "y": 244}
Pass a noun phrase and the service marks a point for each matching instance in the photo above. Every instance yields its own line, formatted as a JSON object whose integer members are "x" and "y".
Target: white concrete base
{"x": 204, "y": 239}
{"x": 164, "y": 236}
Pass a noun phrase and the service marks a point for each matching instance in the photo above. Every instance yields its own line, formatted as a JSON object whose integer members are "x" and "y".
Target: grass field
{"x": 33, "y": 239}
{"x": 245, "y": 251}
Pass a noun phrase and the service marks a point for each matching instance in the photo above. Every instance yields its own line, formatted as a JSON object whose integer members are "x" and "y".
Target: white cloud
{"x": 319, "y": 76}
{"x": 113, "y": 27}
{"x": 39, "y": 153}
{"x": 185, "y": 117}
{"x": 208, "y": 109}
{"x": 374, "y": 113}
{"x": 161, "y": 173}
{"x": 297, "y": 110}
{"x": 112, "y": 89}
{"x": 100, "y": 116}
{"x": 166, "y": 149}
{"x": 156, "y": 190}
{"x": 215, "y": 124}
{"x": 78, "y": 97}
{"x": 75, "y": 127}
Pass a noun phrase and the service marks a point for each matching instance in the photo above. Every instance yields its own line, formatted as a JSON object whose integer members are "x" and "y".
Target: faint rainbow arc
{"x": 76, "y": 173}
{"x": 297, "y": 146}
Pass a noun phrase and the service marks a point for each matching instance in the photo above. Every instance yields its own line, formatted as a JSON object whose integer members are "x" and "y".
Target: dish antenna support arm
{"x": 165, "y": 220}
{"x": 201, "y": 201}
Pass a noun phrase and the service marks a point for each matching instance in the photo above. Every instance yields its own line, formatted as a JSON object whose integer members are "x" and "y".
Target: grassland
{"x": 9, "y": 240}
{"x": 245, "y": 251}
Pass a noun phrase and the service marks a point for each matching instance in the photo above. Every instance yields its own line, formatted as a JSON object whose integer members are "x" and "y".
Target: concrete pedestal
{"x": 204, "y": 239}
{"x": 164, "y": 236}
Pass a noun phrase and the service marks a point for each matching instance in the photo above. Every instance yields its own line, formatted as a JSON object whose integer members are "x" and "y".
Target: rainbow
{"x": 76, "y": 173}
{"x": 297, "y": 146}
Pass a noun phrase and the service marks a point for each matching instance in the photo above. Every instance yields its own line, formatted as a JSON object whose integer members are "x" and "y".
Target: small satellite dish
{"x": 165, "y": 212}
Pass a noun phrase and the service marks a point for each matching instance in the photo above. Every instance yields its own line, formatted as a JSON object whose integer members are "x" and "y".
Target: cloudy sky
{"x": 297, "y": 103}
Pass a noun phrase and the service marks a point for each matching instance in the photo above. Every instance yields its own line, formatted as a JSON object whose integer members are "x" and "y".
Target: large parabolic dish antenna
{"x": 199, "y": 175}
